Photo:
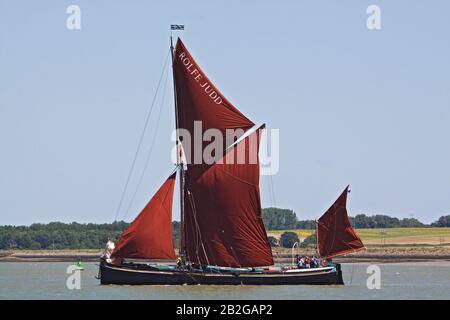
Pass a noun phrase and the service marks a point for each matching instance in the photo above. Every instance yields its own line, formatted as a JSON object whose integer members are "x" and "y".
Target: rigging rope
{"x": 272, "y": 190}
{"x": 150, "y": 151}
{"x": 141, "y": 139}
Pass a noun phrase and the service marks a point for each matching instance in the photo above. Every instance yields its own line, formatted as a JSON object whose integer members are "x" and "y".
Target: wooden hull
{"x": 111, "y": 274}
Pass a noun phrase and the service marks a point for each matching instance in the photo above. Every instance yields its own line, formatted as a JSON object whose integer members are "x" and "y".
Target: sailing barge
{"x": 223, "y": 239}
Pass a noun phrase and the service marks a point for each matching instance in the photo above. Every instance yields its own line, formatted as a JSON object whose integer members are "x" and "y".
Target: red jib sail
{"x": 224, "y": 226}
{"x": 149, "y": 236}
{"x": 335, "y": 235}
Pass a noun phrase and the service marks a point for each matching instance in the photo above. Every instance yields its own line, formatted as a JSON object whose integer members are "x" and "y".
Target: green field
{"x": 390, "y": 236}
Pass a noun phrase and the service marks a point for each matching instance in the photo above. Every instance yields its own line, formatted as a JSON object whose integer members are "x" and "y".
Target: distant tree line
{"x": 289, "y": 238}
{"x": 58, "y": 235}
{"x": 361, "y": 221}
{"x": 443, "y": 221}
{"x": 286, "y": 219}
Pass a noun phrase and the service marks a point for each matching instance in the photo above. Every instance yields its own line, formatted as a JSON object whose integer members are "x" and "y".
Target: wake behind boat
{"x": 223, "y": 238}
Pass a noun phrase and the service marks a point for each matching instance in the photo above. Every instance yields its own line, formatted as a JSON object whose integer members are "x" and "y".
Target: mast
{"x": 317, "y": 237}
{"x": 179, "y": 160}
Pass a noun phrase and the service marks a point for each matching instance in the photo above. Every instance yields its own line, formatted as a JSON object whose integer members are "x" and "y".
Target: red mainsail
{"x": 224, "y": 226}
{"x": 149, "y": 236}
{"x": 335, "y": 235}
{"x": 222, "y": 207}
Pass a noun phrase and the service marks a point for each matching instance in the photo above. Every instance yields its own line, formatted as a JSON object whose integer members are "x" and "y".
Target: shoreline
{"x": 281, "y": 255}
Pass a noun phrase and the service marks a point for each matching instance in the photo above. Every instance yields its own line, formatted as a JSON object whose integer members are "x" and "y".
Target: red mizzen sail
{"x": 224, "y": 226}
{"x": 199, "y": 100}
{"x": 335, "y": 235}
{"x": 149, "y": 236}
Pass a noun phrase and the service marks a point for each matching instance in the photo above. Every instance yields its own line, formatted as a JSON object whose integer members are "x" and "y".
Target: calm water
{"x": 398, "y": 281}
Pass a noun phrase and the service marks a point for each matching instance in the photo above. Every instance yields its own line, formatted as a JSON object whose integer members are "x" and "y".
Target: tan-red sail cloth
{"x": 149, "y": 236}
{"x": 335, "y": 235}
{"x": 222, "y": 206}
{"x": 224, "y": 226}
{"x": 199, "y": 100}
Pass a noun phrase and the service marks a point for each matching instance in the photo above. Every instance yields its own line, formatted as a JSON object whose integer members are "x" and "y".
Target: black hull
{"x": 110, "y": 274}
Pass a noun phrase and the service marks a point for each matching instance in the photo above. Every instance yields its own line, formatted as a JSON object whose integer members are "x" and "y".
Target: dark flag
{"x": 177, "y": 27}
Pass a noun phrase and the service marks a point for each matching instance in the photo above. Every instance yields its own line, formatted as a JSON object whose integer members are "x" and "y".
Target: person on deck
{"x": 297, "y": 261}
{"x": 307, "y": 262}
{"x": 326, "y": 262}
{"x": 300, "y": 262}
{"x": 314, "y": 262}
{"x": 179, "y": 263}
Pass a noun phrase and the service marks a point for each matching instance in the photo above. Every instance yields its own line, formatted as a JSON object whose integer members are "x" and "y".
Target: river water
{"x": 43, "y": 280}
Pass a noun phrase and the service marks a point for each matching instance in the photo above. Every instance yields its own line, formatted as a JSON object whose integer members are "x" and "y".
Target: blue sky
{"x": 354, "y": 106}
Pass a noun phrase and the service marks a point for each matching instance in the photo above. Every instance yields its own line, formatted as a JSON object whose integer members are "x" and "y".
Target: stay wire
{"x": 150, "y": 152}
{"x": 130, "y": 173}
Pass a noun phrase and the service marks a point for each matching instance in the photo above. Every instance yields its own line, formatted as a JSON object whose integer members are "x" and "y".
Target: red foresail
{"x": 149, "y": 236}
{"x": 224, "y": 226}
{"x": 199, "y": 100}
{"x": 335, "y": 235}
